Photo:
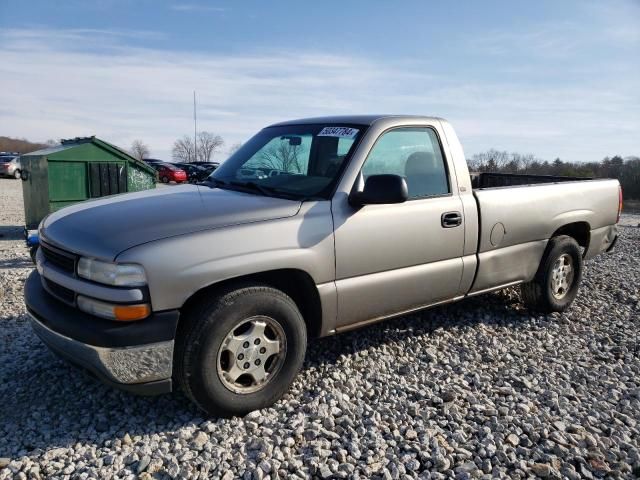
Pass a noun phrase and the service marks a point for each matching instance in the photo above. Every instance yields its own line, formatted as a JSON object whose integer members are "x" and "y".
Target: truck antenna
{"x": 195, "y": 129}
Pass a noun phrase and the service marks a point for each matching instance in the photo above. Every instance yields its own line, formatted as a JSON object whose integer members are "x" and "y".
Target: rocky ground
{"x": 478, "y": 389}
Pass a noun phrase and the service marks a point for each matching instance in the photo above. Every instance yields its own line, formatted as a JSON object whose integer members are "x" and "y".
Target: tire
{"x": 32, "y": 253}
{"x": 17, "y": 174}
{"x": 208, "y": 353}
{"x": 545, "y": 295}
{"x": 165, "y": 179}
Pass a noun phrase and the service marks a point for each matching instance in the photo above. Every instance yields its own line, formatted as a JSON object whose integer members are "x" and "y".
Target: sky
{"x": 555, "y": 79}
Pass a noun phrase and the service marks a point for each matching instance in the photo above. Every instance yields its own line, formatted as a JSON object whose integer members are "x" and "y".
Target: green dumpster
{"x": 77, "y": 170}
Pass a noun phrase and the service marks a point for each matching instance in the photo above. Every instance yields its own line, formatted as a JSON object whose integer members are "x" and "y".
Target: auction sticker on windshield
{"x": 340, "y": 132}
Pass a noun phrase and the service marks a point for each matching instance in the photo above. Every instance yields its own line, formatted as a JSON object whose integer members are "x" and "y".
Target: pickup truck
{"x": 364, "y": 219}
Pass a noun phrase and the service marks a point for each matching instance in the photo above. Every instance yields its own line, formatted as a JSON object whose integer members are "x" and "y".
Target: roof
{"x": 46, "y": 151}
{"x": 351, "y": 119}
{"x": 67, "y": 144}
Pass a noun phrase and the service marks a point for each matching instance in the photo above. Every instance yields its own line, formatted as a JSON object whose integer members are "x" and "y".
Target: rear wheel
{"x": 165, "y": 179}
{"x": 556, "y": 283}
{"x": 241, "y": 350}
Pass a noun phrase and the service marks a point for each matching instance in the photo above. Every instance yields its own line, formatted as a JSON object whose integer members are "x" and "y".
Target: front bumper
{"x": 131, "y": 356}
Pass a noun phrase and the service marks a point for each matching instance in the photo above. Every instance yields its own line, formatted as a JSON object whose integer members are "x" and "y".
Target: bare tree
{"x": 490, "y": 161}
{"x": 283, "y": 157}
{"x": 234, "y": 148}
{"x": 208, "y": 144}
{"x": 183, "y": 150}
{"x": 139, "y": 150}
{"x": 525, "y": 162}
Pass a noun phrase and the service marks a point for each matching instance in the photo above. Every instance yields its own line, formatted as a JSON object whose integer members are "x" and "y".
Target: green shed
{"x": 77, "y": 170}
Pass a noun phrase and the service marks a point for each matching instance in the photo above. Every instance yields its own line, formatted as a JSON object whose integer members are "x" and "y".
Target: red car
{"x": 170, "y": 173}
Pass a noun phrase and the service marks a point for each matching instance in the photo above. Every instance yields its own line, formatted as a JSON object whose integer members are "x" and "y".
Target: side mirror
{"x": 381, "y": 189}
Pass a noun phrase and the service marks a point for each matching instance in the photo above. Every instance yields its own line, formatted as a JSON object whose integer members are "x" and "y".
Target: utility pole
{"x": 195, "y": 130}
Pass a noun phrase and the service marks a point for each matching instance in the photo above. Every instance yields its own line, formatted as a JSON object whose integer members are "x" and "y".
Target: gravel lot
{"x": 477, "y": 389}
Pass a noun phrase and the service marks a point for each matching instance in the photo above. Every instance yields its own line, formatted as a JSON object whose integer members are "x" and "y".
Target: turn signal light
{"x": 129, "y": 313}
{"x": 121, "y": 313}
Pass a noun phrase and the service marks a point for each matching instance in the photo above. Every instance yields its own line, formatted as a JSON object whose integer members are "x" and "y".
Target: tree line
{"x": 188, "y": 149}
{"x": 626, "y": 170}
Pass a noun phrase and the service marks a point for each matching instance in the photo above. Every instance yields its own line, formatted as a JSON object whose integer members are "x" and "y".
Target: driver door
{"x": 396, "y": 258}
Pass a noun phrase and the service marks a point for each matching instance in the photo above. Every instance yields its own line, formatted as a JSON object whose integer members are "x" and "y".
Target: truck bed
{"x": 493, "y": 180}
{"x": 516, "y": 221}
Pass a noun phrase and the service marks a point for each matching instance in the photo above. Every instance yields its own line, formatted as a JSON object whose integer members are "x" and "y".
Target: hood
{"x": 105, "y": 227}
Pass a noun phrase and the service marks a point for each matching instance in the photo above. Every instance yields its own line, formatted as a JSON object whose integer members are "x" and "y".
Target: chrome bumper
{"x": 125, "y": 367}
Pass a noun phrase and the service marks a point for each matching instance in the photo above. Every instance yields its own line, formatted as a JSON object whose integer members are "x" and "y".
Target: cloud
{"x": 67, "y": 83}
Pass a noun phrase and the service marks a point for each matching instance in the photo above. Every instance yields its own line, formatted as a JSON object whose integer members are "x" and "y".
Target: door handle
{"x": 451, "y": 219}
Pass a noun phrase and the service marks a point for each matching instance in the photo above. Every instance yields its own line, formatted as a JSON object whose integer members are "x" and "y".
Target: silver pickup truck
{"x": 313, "y": 227}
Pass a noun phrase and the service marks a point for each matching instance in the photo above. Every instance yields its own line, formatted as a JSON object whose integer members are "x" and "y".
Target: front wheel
{"x": 556, "y": 283}
{"x": 165, "y": 179}
{"x": 241, "y": 350}
{"x": 17, "y": 174}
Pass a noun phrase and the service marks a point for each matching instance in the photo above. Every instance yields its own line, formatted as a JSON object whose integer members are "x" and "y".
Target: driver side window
{"x": 413, "y": 153}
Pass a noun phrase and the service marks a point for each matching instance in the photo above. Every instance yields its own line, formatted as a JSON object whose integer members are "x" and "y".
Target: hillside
{"x": 21, "y": 145}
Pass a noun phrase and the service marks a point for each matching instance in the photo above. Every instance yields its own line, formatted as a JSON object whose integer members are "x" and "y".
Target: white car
{"x": 10, "y": 165}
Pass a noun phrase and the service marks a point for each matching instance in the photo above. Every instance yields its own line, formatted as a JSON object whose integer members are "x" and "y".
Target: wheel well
{"x": 296, "y": 283}
{"x": 580, "y": 231}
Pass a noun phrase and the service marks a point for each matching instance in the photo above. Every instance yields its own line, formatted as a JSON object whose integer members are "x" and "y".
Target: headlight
{"x": 119, "y": 275}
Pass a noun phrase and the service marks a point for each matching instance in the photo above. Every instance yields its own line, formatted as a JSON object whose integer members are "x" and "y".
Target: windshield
{"x": 294, "y": 161}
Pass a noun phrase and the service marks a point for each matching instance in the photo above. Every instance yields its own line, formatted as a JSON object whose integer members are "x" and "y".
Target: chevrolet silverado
{"x": 313, "y": 227}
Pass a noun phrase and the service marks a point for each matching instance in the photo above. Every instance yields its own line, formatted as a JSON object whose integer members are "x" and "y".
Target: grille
{"x": 60, "y": 292}
{"x": 63, "y": 260}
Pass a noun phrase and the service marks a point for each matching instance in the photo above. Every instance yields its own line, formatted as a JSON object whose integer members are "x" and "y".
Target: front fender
{"x": 177, "y": 267}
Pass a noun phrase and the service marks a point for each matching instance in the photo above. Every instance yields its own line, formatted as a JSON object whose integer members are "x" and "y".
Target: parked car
{"x": 150, "y": 161}
{"x": 10, "y": 165}
{"x": 381, "y": 218}
{"x": 194, "y": 172}
{"x": 213, "y": 165}
{"x": 169, "y": 173}
{"x": 209, "y": 168}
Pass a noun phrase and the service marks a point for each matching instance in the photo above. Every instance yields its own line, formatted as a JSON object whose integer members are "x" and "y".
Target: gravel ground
{"x": 477, "y": 389}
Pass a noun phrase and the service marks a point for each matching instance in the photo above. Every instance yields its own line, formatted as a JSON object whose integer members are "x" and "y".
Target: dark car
{"x": 206, "y": 164}
{"x": 169, "y": 173}
{"x": 209, "y": 167}
{"x": 194, "y": 172}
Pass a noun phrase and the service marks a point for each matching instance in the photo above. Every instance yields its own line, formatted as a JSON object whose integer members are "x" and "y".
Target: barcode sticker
{"x": 340, "y": 132}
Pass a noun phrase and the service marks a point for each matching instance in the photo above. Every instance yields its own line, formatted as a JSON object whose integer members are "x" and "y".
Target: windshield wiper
{"x": 262, "y": 189}
{"x": 266, "y": 191}
{"x": 213, "y": 182}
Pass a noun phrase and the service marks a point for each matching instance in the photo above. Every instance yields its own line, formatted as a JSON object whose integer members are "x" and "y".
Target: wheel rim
{"x": 562, "y": 276}
{"x": 251, "y": 354}
{"x": 17, "y": 174}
